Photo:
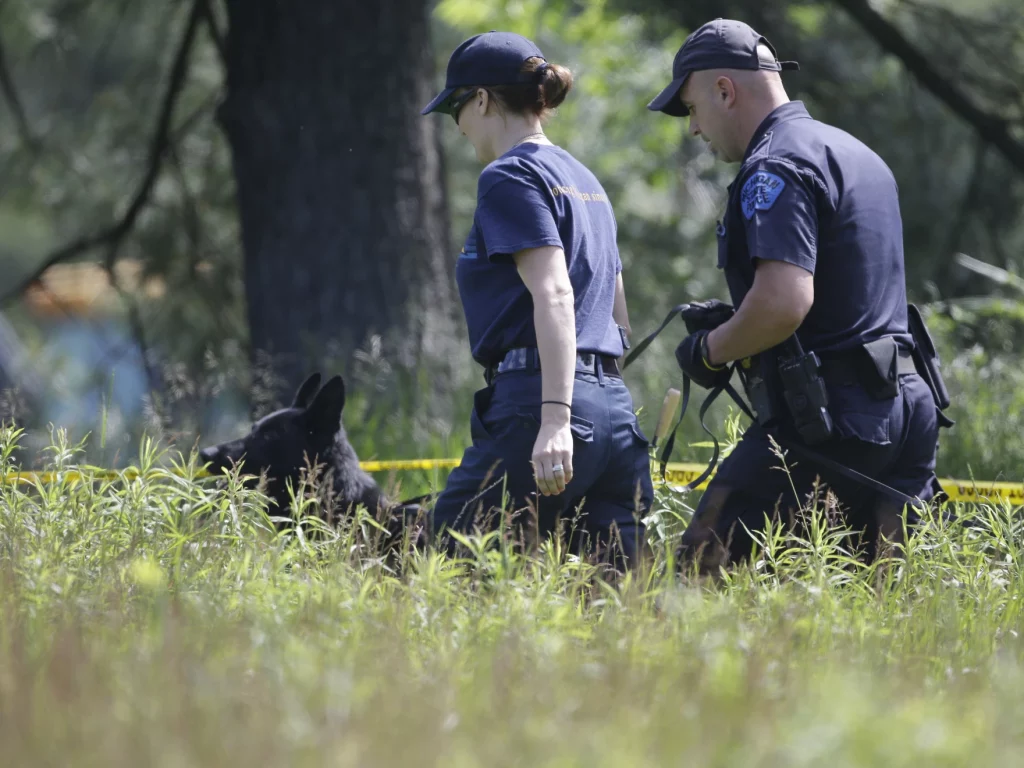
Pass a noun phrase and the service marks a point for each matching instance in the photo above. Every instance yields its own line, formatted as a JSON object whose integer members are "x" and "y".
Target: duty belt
{"x": 841, "y": 366}
{"x": 528, "y": 359}
{"x": 841, "y": 369}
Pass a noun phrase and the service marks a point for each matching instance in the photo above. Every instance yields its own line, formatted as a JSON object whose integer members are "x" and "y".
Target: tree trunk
{"x": 341, "y": 191}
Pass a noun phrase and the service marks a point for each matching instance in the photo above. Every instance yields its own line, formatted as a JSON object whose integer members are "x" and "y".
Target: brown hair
{"x": 541, "y": 96}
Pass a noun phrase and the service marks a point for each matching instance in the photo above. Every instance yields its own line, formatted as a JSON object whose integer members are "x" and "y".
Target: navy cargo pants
{"x": 611, "y": 489}
{"x": 893, "y": 441}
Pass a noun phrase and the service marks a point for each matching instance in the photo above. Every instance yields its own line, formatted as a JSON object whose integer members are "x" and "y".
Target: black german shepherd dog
{"x": 309, "y": 433}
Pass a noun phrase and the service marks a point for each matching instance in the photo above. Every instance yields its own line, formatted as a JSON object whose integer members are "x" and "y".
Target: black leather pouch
{"x": 879, "y": 370}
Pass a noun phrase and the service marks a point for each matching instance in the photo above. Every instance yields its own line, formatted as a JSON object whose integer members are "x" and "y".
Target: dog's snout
{"x": 210, "y": 454}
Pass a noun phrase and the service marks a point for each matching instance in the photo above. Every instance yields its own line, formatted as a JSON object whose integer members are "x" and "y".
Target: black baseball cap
{"x": 492, "y": 58}
{"x": 719, "y": 44}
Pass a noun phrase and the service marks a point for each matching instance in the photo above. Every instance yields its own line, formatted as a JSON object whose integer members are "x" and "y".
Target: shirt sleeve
{"x": 514, "y": 215}
{"x": 780, "y": 214}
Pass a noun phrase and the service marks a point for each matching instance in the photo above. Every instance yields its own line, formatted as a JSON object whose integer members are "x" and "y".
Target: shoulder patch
{"x": 760, "y": 192}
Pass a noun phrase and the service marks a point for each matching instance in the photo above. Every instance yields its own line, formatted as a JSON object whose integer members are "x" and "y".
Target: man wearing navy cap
{"x": 811, "y": 245}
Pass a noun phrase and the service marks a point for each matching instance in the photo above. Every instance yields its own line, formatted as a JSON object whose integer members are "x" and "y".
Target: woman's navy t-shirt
{"x": 538, "y": 195}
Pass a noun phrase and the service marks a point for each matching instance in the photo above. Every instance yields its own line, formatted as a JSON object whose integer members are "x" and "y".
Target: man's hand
{"x": 706, "y": 315}
{"x": 691, "y": 355}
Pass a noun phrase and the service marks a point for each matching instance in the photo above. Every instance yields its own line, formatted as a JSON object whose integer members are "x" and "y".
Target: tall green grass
{"x": 162, "y": 620}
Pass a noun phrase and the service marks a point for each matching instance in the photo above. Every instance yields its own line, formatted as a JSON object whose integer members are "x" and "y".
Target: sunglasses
{"x": 455, "y": 105}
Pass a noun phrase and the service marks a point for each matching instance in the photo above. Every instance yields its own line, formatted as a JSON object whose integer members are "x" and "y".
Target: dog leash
{"x": 676, "y": 310}
{"x": 666, "y": 451}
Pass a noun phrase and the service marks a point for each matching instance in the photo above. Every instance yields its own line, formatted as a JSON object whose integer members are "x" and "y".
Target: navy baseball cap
{"x": 719, "y": 44}
{"x": 493, "y": 58}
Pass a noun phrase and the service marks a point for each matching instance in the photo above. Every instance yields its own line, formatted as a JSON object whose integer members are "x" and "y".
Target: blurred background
{"x": 201, "y": 201}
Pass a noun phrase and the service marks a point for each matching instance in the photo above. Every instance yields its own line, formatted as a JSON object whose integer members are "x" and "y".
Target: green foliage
{"x": 159, "y": 621}
{"x": 979, "y": 345}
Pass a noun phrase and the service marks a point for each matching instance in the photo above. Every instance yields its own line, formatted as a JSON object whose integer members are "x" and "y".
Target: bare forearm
{"x": 775, "y": 306}
{"x": 555, "y": 320}
{"x": 757, "y": 325}
{"x": 544, "y": 273}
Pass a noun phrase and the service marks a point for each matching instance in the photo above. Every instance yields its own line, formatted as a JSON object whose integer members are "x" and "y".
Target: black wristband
{"x": 555, "y": 402}
{"x": 705, "y": 358}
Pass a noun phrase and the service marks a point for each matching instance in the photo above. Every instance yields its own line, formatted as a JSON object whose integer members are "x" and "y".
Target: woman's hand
{"x": 552, "y": 453}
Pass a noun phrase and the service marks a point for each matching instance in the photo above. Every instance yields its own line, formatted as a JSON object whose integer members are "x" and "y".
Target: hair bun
{"x": 555, "y": 84}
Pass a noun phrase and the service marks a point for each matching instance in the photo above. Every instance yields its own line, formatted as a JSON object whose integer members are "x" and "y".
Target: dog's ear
{"x": 305, "y": 393}
{"x": 325, "y": 410}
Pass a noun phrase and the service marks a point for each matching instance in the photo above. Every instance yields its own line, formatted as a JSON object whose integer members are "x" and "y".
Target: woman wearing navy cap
{"x": 541, "y": 287}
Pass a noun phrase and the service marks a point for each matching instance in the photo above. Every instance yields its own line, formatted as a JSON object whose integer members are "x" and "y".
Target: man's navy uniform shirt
{"x": 538, "y": 195}
{"x": 812, "y": 195}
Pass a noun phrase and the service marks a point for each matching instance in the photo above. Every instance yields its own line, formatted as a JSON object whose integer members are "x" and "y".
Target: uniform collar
{"x": 792, "y": 110}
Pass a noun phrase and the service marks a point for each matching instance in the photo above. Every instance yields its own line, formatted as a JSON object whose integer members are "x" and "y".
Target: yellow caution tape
{"x": 676, "y": 475}
{"x": 679, "y": 474}
{"x": 405, "y": 465}
{"x": 983, "y": 490}
{"x": 957, "y": 490}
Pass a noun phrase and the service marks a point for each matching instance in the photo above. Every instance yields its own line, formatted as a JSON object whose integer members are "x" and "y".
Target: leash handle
{"x": 666, "y": 452}
{"x": 668, "y": 407}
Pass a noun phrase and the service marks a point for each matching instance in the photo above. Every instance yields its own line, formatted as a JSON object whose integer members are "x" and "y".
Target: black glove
{"x": 692, "y": 357}
{"x": 706, "y": 315}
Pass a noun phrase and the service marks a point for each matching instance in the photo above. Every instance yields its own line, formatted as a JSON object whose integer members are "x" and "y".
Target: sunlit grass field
{"x": 161, "y": 621}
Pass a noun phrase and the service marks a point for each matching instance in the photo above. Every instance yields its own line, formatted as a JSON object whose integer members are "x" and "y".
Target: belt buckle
{"x": 517, "y": 359}
{"x": 508, "y": 362}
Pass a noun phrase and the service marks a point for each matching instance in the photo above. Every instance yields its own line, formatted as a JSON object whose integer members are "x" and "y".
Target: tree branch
{"x": 214, "y": 29}
{"x": 193, "y": 222}
{"x": 992, "y": 129}
{"x": 113, "y": 236}
{"x": 158, "y": 144}
{"x": 985, "y": 39}
{"x": 14, "y": 102}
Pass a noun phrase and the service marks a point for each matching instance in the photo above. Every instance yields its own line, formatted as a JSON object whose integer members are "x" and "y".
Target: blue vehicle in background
{"x": 68, "y": 359}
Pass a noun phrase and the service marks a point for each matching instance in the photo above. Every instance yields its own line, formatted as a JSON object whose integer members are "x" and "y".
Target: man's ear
{"x": 725, "y": 91}
{"x": 324, "y": 413}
